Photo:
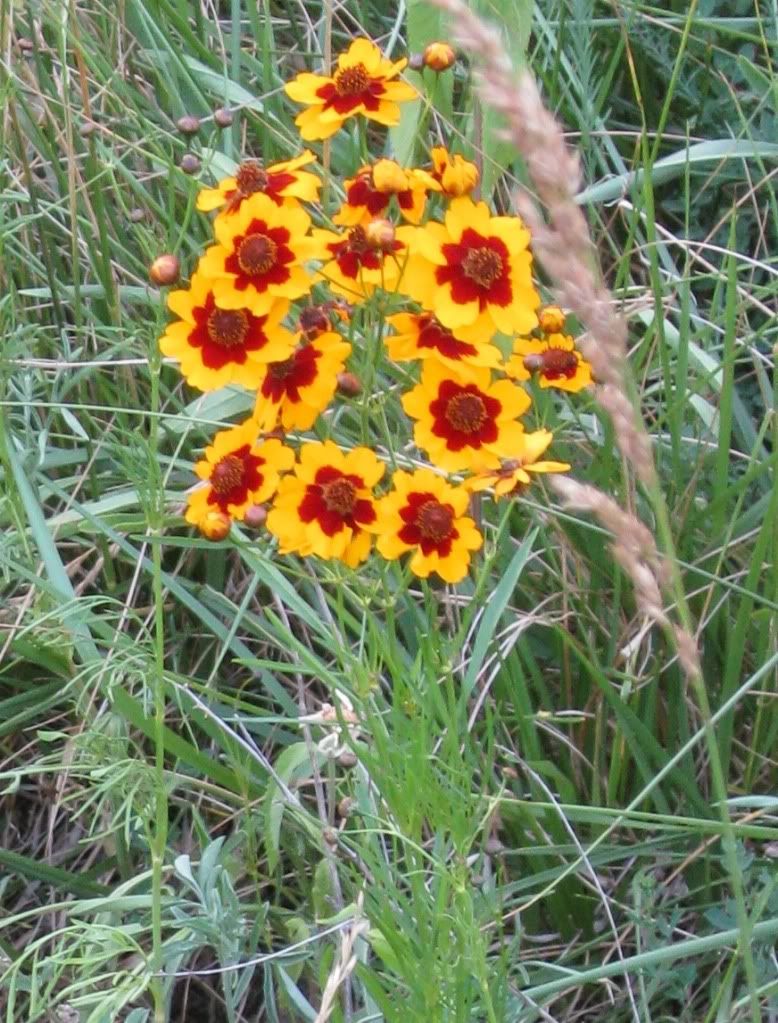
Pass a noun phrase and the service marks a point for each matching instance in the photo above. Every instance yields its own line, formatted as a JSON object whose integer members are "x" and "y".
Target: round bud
{"x": 25, "y": 44}
{"x": 346, "y": 806}
{"x": 416, "y": 62}
{"x": 347, "y": 759}
{"x": 313, "y": 321}
{"x": 255, "y": 516}
{"x": 86, "y": 129}
{"x": 222, "y": 117}
{"x": 165, "y": 269}
{"x": 330, "y": 836}
{"x": 349, "y": 385}
{"x": 380, "y": 234}
{"x": 189, "y": 163}
{"x": 438, "y": 56}
{"x": 215, "y": 526}
{"x": 551, "y": 319}
{"x": 188, "y": 124}
{"x": 136, "y": 214}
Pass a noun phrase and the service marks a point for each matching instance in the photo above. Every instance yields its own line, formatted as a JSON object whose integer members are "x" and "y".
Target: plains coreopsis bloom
{"x": 514, "y": 473}
{"x": 426, "y": 515}
{"x": 363, "y": 82}
{"x": 465, "y": 424}
{"x": 239, "y": 471}
{"x": 455, "y": 175}
{"x": 370, "y": 192}
{"x": 555, "y": 359}
{"x": 358, "y": 265}
{"x": 217, "y": 346}
{"x": 299, "y": 388}
{"x": 475, "y": 268}
{"x": 327, "y": 508}
{"x": 422, "y": 336}
{"x": 260, "y": 256}
{"x": 285, "y": 183}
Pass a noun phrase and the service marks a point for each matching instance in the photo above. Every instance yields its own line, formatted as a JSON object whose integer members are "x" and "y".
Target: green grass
{"x": 532, "y": 831}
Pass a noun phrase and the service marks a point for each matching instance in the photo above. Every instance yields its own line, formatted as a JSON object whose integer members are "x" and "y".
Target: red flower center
{"x": 340, "y": 495}
{"x": 227, "y": 475}
{"x": 351, "y": 81}
{"x": 466, "y": 413}
{"x": 434, "y": 521}
{"x": 251, "y": 177}
{"x": 282, "y": 370}
{"x": 257, "y": 254}
{"x": 227, "y": 328}
{"x": 553, "y": 363}
{"x": 483, "y": 266}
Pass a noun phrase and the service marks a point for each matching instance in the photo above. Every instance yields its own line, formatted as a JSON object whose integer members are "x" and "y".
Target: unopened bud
{"x": 215, "y": 526}
{"x": 314, "y": 321}
{"x": 380, "y": 234}
{"x": 347, "y": 759}
{"x": 223, "y": 117}
{"x": 551, "y": 319}
{"x": 255, "y": 516}
{"x": 349, "y": 385}
{"x": 86, "y": 129}
{"x": 189, "y": 163}
{"x": 346, "y": 806}
{"x": 330, "y": 836}
{"x": 416, "y": 62}
{"x": 438, "y": 56}
{"x": 165, "y": 269}
{"x": 25, "y": 44}
{"x": 188, "y": 124}
{"x": 136, "y": 215}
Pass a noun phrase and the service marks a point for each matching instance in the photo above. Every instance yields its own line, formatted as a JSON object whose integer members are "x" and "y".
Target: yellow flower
{"x": 555, "y": 359}
{"x": 357, "y": 265}
{"x": 551, "y": 319}
{"x": 426, "y": 515}
{"x": 216, "y": 346}
{"x": 455, "y": 175}
{"x": 302, "y": 386}
{"x": 327, "y": 508}
{"x": 514, "y": 473}
{"x": 259, "y": 256}
{"x": 369, "y": 193}
{"x": 474, "y": 269}
{"x": 465, "y": 424}
{"x": 438, "y": 56}
{"x": 362, "y": 84}
{"x": 239, "y": 471}
{"x": 422, "y": 336}
{"x": 285, "y": 183}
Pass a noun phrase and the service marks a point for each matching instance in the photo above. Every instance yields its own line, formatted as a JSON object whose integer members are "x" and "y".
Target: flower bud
{"x": 346, "y": 806}
{"x": 136, "y": 214}
{"x": 86, "y": 129}
{"x": 189, "y": 163}
{"x": 215, "y": 526}
{"x": 551, "y": 319}
{"x": 438, "y": 56}
{"x": 188, "y": 124}
{"x": 380, "y": 234}
{"x": 255, "y": 516}
{"x": 349, "y": 385}
{"x": 416, "y": 62}
{"x": 222, "y": 117}
{"x": 165, "y": 269}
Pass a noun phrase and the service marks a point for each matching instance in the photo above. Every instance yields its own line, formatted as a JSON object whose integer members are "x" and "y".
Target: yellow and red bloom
{"x": 422, "y": 336}
{"x": 239, "y": 471}
{"x": 426, "y": 515}
{"x": 363, "y": 83}
{"x": 327, "y": 508}
{"x": 474, "y": 269}
{"x": 260, "y": 256}
{"x": 455, "y": 175}
{"x": 514, "y": 474}
{"x": 217, "y": 346}
{"x": 302, "y": 386}
{"x": 369, "y": 193}
{"x": 285, "y": 183}
{"x": 438, "y": 56}
{"x": 551, "y": 319}
{"x": 358, "y": 265}
{"x": 465, "y": 424}
{"x": 555, "y": 359}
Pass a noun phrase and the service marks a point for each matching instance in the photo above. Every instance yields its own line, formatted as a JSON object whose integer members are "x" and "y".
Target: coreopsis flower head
{"x": 217, "y": 346}
{"x": 551, "y": 319}
{"x": 369, "y": 194}
{"x": 328, "y": 508}
{"x": 239, "y": 471}
{"x": 426, "y": 515}
{"x": 299, "y": 388}
{"x": 438, "y": 56}
{"x": 363, "y": 82}
{"x": 357, "y": 266}
{"x": 455, "y": 175}
{"x": 474, "y": 269}
{"x": 514, "y": 473}
{"x": 285, "y": 183}
{"x": 423, "y": 336}
{"x": 555, "y": 359}
{"x": 259, "y": 256}
{"x": 318, "y": 319}
{"x": 468, "y": 423}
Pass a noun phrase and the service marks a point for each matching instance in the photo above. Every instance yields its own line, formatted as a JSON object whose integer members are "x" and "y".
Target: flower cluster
{"x": 288, "y": 289}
